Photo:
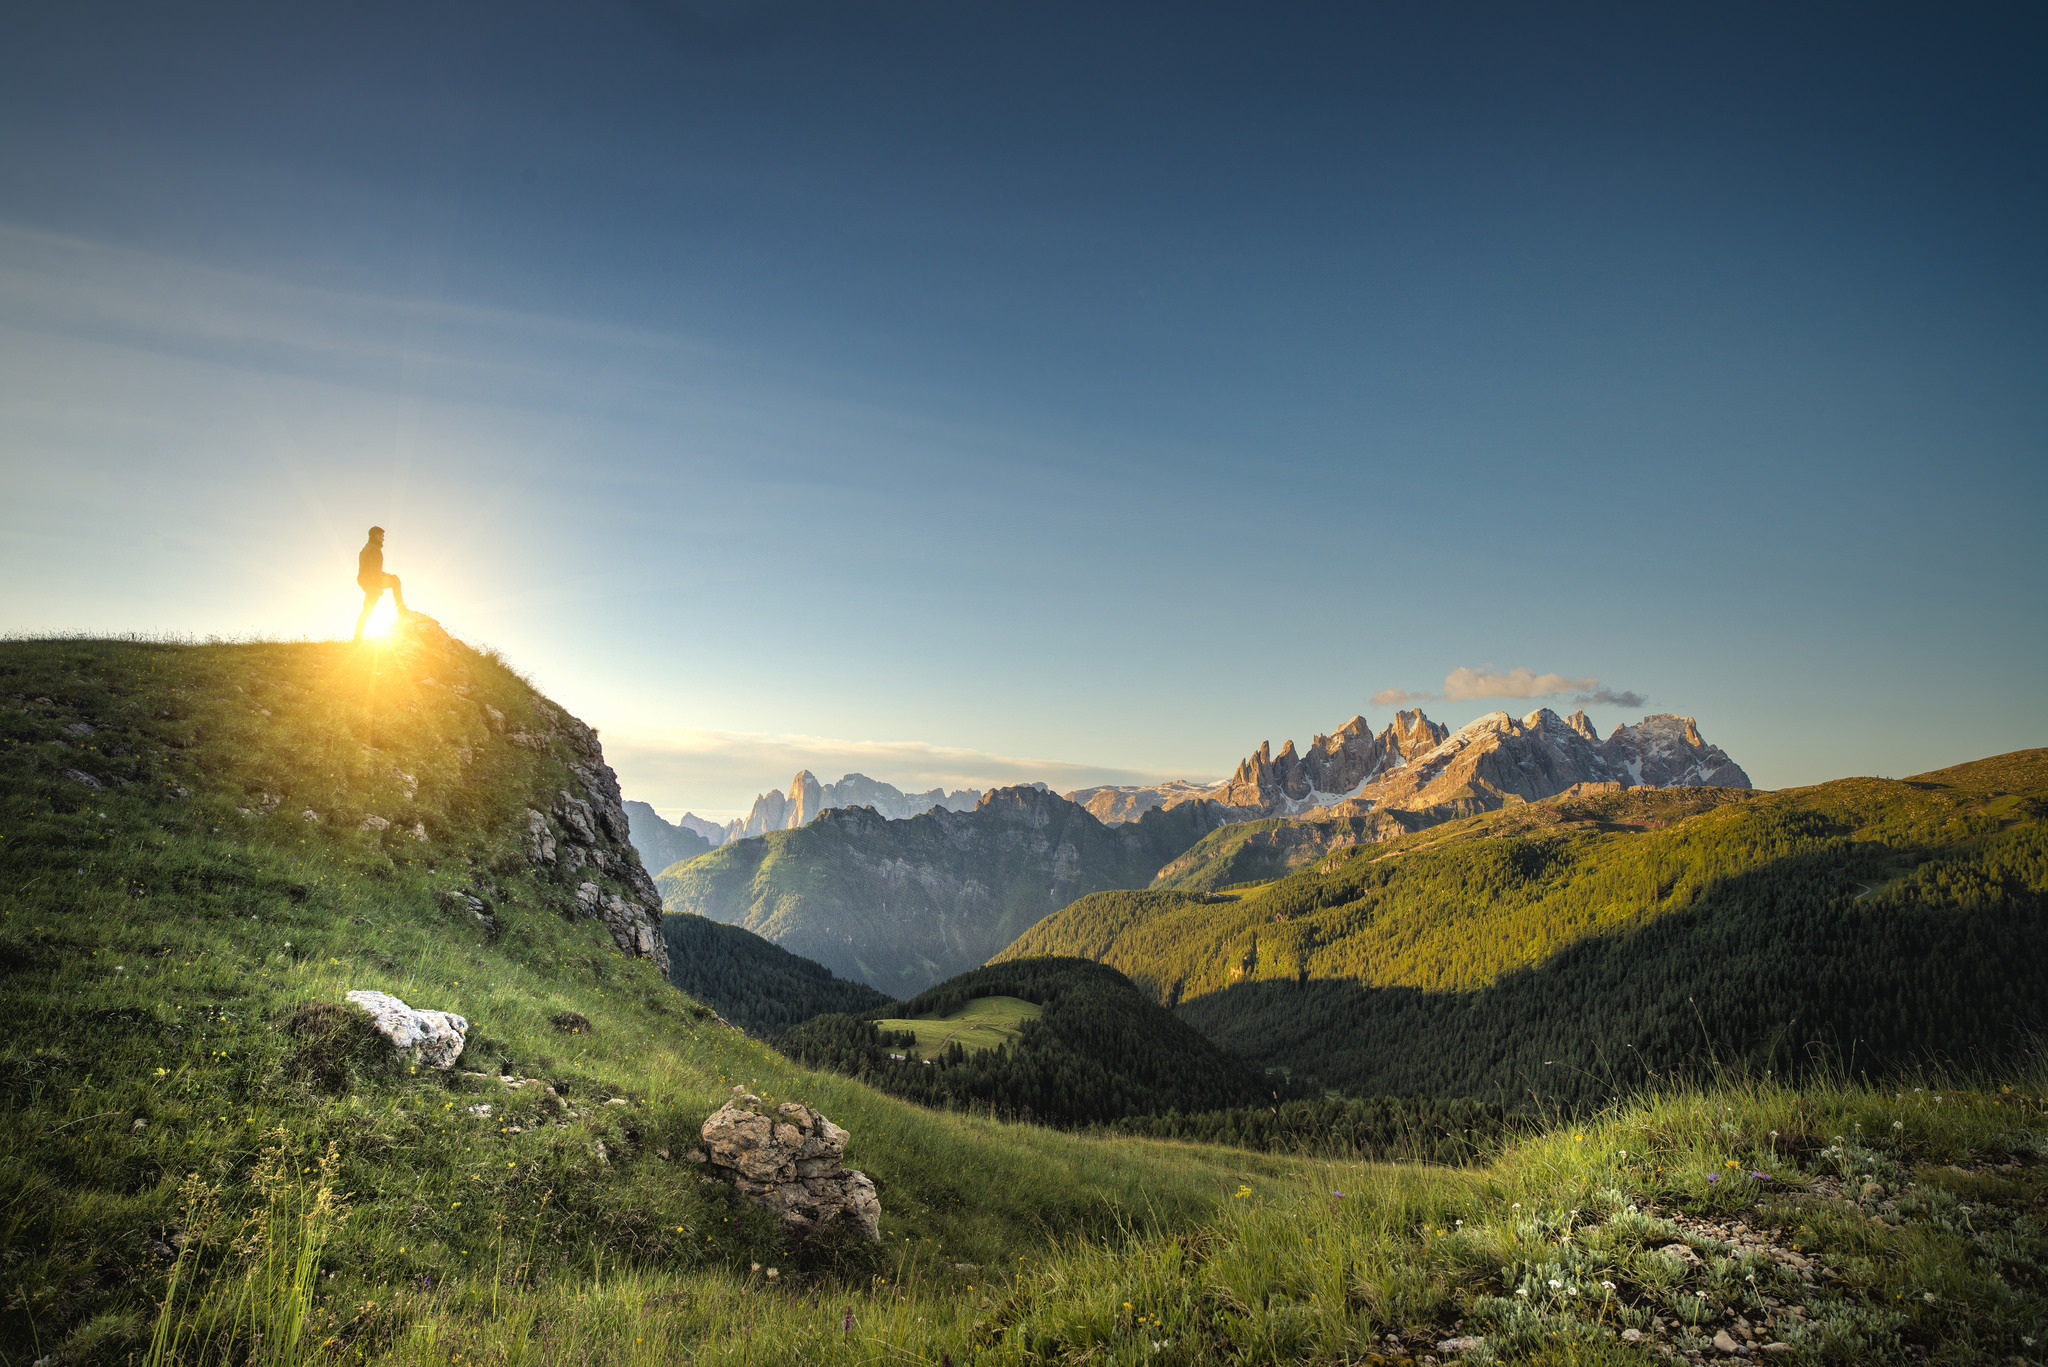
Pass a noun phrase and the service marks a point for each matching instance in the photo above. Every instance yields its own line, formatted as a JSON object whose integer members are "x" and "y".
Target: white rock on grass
{"x": 436, "y": 1035}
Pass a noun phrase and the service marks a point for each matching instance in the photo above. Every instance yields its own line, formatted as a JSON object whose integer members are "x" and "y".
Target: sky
{"x": 978, "y": 393}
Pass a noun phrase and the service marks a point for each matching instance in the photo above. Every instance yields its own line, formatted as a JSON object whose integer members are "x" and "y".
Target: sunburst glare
{"x": 382, "y": 620}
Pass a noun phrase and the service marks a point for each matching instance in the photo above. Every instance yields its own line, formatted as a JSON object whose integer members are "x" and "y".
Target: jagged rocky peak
{"x": 807, "y": 797}
{"x": 1667, "y": 751}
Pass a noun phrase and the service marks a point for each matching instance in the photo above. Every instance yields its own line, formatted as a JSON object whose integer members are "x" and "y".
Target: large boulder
{"x": 787, "y": 1159}
{"x": 434, "y": 1037}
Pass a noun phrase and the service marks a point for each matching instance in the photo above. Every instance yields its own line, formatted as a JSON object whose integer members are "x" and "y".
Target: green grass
{"x": 155, "y": 943}
{"x": 185, "y": 1164}
{"x": 983, "y": 1023}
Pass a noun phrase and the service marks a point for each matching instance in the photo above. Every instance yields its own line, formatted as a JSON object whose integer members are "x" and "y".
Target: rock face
{"x": 435, "y": 1036}
{"x": 587, "y": 832}
{"x": 788, "y": 1160}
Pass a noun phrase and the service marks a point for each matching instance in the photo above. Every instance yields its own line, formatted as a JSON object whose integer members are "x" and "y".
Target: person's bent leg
{"x": 370, "y": 597}
{"x": 397, "y": 592}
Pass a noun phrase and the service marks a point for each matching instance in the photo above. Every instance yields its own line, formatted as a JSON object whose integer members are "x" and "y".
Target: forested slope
{"x": 1100, "y": 1051}
{"x": 759, "y": 986}
{"x": 1580, "y": 947}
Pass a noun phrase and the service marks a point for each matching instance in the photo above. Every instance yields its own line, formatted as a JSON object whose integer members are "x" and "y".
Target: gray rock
{"x": 435, "y": 1036}
{"x": 788, "y": 1161}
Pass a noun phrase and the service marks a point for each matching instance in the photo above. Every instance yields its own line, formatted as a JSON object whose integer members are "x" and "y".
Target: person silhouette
{"x": 373, "y": 581}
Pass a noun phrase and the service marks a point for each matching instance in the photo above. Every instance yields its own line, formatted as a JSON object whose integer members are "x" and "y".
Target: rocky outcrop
{"x": 788, "y": 1161}
{"x": 587, "y": 832}
{"x": 433, "y": 1037}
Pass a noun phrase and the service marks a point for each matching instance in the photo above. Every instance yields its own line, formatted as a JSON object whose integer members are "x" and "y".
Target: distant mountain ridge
{"x": 806, "y": 798}
{"x": 660, "y": 842}
{"x": 903, "y": 904}
{"x": 1420, "y": 766}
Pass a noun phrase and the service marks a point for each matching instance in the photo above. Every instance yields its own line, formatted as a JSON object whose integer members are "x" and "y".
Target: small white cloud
{"x": 1485, "y": 682}
{"x": 1464, "y": 683}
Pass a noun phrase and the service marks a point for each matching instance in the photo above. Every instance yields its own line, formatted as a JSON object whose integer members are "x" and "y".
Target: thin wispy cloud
{"x": 719, "y": 773}
{"x": 1463, "y": 684}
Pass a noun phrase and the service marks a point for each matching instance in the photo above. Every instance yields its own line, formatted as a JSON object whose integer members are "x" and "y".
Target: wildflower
{"x": 1555, "y": 1284}
{"x": 1607, "y": 1286}
{"x": 773, "y": 1273}
{"x": 757, "y": 1267}
{"x": 1761, "y": 1176}
{"x": 1713, "y": 1177}
{"x": 1521, "y": 1291}
{"x": 1898, "y": 1124}
{"x": 1927, "y": 1296}
{"x": 1243, "y": 1191}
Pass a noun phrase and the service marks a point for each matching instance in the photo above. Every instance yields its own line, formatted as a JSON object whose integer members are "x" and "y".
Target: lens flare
{"x": 382, "y": 619}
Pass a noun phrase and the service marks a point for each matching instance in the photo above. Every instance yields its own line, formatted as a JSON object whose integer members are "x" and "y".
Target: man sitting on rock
{"x": 373, "y": 581}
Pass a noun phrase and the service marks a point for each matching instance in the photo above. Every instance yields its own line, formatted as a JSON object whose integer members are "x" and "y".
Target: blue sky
{"x": 967, "y": 393}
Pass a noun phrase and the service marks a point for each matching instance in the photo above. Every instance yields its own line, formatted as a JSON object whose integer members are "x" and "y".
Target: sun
{"x": 382, "y": 618}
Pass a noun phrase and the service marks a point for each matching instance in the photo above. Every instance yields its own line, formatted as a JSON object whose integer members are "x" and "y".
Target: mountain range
{"x": 1417, "y": 765}
{"x": 900, "y": 905}
{"x": 806, "y": 798}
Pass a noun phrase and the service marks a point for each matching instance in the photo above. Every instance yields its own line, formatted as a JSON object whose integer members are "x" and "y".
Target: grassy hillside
{"x": 757, "y": 985}
{"x": 904, "y": 904}
{"x": 1093, "y": 1048}
{"x": 1581, "y": 948}
{"x": 1273, "y": 847}
{"x": 178, "y": 935}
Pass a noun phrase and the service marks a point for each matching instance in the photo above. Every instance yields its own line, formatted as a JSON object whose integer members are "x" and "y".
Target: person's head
{"x": 377, "y": 535}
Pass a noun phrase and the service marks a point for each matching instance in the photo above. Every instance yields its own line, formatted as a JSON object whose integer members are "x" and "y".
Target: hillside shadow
{"x": 1776, "y": 970}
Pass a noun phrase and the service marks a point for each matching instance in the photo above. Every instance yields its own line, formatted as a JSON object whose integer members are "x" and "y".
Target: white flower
{"x": 1927, "y": 1296}
{"x": 1574, "y": 1291}
{"x": 1555, "y": 1283}
{"x": 1521, "y": 1291}
{"x": 1607, "y": 1286}
{"x": 1898, "y": 1124}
